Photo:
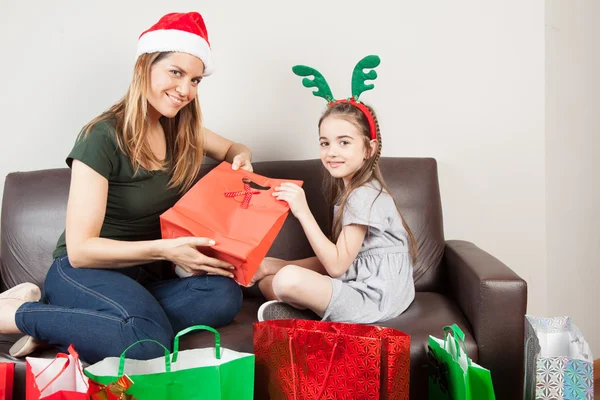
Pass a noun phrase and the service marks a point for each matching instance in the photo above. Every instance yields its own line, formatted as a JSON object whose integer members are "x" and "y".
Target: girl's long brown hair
{"x": 183, "y": 133}
{"x": 335, "y": 190}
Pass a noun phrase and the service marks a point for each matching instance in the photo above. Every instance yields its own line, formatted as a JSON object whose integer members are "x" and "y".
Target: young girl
{"x": 365, "y": 273}
{"x": 106, "y": 288}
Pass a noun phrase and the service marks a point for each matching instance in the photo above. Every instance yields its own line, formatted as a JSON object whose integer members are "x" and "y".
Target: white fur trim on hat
{"x": 177, "y": 41}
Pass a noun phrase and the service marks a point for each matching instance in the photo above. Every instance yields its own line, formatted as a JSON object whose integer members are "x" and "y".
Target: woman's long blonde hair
{"x": 183, "y": 133}
{"x": 335, "y": 190}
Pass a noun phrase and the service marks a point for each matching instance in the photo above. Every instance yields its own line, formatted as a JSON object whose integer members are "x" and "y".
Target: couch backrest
{"x": 34, "y": 208}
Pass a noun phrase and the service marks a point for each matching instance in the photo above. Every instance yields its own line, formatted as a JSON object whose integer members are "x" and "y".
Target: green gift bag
{"x": 452, "y": 374}
{"x": 209, "y": 374}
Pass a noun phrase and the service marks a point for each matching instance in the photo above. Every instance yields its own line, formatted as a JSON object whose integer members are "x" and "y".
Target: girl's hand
{"x": 294, "y": 196}
{"x": 184, "y": 252}
{"x": 269, "y": 266}
{"x": 243, "y": 161}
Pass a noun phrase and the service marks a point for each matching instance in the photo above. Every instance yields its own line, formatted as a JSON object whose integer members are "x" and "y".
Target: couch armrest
{"x": 494, "y": 300}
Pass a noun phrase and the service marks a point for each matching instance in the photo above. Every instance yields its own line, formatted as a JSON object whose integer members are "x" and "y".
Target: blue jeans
{"x": 103, "y": 311}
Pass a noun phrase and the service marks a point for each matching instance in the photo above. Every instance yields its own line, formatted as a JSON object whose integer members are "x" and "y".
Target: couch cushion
{"x": 428, "y": 315}
{"x": 415, "y": 187}
{"x": 34, "y": 209}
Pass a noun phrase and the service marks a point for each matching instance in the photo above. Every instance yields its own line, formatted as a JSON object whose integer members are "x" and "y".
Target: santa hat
{"x": 179, "y": 32}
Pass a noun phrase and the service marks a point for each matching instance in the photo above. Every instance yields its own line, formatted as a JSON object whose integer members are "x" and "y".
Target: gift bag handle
{"x": 122, "y": 360}
{"x": 197, "y": 328}
{"x": 459, "y": 336}
{"x": 75, "y": 356}
{"x": 324, "y": 384}
{"x": 78, "y": 365}
{"x": 67, "y": 362}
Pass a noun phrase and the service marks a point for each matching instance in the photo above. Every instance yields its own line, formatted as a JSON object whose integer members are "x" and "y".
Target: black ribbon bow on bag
{"x": 438, "y": 370}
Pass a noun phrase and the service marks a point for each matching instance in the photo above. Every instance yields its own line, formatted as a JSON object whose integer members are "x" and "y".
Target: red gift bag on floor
{"x": 314, "y": 360}
{"x": 60, "y": 378}
{"x": 7, "y": 375}
{"x": 237, "y": 210}
{"x": 66, "y": 395}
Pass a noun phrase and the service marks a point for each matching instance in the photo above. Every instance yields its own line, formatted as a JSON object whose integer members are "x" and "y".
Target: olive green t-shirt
{"x": 135, "y": 200}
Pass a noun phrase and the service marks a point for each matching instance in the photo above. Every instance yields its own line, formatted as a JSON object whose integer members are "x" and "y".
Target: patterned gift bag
{"x": 558, "y": 360}
{"x": 310, "y": 360}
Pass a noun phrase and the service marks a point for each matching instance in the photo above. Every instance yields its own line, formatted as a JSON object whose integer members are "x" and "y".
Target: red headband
{"x": 365, "y": 110}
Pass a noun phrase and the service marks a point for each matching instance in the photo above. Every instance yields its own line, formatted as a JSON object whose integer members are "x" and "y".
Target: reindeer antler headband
{"x": 358, "y": 86}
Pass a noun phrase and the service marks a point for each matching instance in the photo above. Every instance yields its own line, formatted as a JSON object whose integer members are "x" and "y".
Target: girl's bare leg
{"x": 303, "y": 288}
{"x": 266, "y": 287}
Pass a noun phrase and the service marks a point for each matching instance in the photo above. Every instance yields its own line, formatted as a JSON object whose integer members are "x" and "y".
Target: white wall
{"x": 461, "y": 81}
{"x": 572, "y": 163}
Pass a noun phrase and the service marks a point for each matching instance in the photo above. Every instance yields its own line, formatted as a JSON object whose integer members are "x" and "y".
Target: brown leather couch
{"x": 456, "y": 281}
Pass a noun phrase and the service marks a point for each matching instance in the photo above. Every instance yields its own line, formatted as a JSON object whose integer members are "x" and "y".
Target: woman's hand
{"x": 294, "y": 196}
{"x": 242, "y": 160}
{"x": 184, "y": 252}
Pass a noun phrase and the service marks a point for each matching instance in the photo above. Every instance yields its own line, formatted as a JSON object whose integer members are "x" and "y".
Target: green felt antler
{"x": 359, "y": 76}
{"x": 319, "y": 81}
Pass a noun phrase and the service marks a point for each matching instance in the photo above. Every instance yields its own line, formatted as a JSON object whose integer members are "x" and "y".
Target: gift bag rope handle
{"x": 75, "y": 356}
{"x": 197, "y": 328}
{"x": 323, "y": 385}
{"x": 122, "y": 360}
{"x": 459, "y": 336}
{"x": 67, "y": 362}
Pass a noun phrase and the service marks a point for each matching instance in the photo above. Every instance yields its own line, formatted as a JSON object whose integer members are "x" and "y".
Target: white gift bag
{"x": 558, "y": 360}
{"x": 45, "y": 377}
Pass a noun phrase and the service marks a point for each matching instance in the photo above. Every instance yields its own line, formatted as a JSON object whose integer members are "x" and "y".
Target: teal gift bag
{"x": 558, "y": 360}
{"x": 453, "y": 375}
{"x": 199, "y": 374}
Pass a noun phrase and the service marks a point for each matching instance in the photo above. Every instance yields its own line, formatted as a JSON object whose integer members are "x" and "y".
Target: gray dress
{"x": 379, "y": 284}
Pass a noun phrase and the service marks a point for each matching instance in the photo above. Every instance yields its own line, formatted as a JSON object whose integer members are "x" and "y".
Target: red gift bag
{"x": 61, "y": 378}
{"x": 67, "y": 395}
{"x": 314, "y": 360}
{"x": 7, "y": 375}
{"x": 237, "y": 210}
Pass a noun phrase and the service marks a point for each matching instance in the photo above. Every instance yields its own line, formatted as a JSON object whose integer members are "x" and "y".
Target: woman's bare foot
{"x": 23, "y": 291}
{"x": 8, "y": 310}
{"x": 27, "y": 345}
{"x": 11, "y": 300}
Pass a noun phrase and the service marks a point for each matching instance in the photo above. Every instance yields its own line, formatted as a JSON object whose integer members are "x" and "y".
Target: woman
{"x": 106, "y": 288}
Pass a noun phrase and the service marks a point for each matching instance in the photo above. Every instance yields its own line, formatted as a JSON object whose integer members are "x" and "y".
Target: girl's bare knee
{"x": 285, "y": 282}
